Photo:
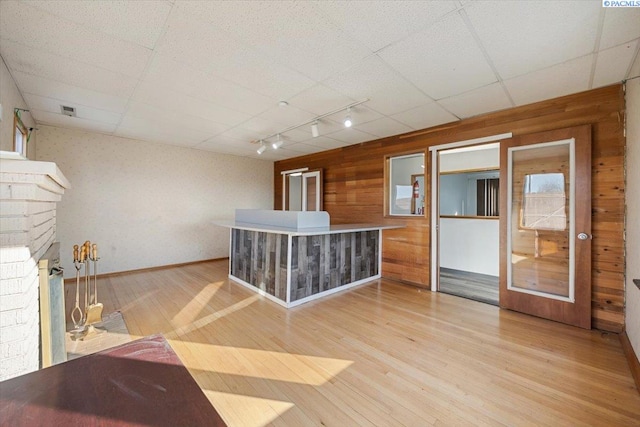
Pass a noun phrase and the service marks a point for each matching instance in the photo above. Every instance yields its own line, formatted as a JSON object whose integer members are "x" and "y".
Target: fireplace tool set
{"x": 83, "y": 320}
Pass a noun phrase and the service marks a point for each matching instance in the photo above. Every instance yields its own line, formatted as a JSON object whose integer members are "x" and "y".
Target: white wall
{"x": 632, "y": 293}
{"x": 456, "y": 160}
{"x": 11, "y": 98}
{"x": 470, "y": 245}
{"x": 148, "y": 204}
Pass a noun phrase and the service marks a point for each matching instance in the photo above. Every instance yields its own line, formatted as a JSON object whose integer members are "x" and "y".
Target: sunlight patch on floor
{"x": 263, "y": 364}
{"x": 190, "y": 311}
{"x": 254, "y": 411}
{"x": 206, "y": 320}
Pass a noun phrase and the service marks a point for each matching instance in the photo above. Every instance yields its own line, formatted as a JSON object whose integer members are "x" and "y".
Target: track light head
{"x": 314, "y": 129}
{"x": 262, "y": 148}
{"x": 278, "y": 143}
{"x": 347, "y": 120}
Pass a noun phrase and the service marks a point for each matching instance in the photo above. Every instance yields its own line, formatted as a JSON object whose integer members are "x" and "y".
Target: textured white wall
{"x": 470, "y": 245}
{"x": 147, "y": 204}
{"x": 11, "y": 98}
{"x": 632, "y": 293}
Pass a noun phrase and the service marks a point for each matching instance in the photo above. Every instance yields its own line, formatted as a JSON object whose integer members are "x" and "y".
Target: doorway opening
{"x": 466, "y": 215}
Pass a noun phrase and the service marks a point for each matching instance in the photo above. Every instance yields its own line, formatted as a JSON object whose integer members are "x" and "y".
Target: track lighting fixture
{"x": 262, "y": 147}
{"x": 315, "y": 132}
{"x": 278, "y": 143}
{"x": 347, "y": 120}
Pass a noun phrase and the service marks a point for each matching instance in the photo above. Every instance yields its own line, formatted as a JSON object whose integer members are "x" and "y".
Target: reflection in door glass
{"x": 544, "y": 202}
{"x": 539, "y": 220}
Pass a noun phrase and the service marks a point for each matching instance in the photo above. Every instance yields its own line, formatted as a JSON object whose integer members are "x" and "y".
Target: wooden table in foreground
{"x": 139, "y": 383}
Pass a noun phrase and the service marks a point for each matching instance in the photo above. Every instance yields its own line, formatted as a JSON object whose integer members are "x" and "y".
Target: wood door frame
{"x": 433, "y": 162}
{"x": 538, "y": 305}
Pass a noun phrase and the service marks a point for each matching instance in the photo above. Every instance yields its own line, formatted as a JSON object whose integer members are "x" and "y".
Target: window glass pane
{"x": 544, "y": 202}
{"x": 406, "y": 185}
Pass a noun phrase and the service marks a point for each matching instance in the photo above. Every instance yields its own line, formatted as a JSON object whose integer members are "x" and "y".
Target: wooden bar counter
{"x": 292, "y": 264}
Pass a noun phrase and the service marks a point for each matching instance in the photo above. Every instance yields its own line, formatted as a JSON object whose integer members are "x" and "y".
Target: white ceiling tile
{"x": 620, "y": 25}
{"x": 304, "y": 148}
{"x": 139, "y": 22}
{"x": 286, "y": 116}
{"x": 372, "y": 78}
{"x": 449, "y": 63}
{"x": 167, "y": 74}
{"x": 478, "y": 101}
{"x": 359, "y": 114}
{"x": 562, "y": 79}
{"x": 324, "y": 143}
{"x": 351, "y": 136}
{"x": 31, "y": 61}
{"x": 635, "y": 68}
{"x": 319, "y": 100}
{"x": 206, "y": 48}
{"x": 51, "y": 105}
{"x": 59, "y": 36}
{"x": 378, "y": 24}
{"x": 241, "y": 134}
{"x": 383, "y": 127}
{"x": 45, "y": 117}
{"x": 290, "y": 32}
{"x": 174, "y": 118}
{"x": 158, "y": 130}
{"x": 612, "y": 64}
{"x": 525, "y": 36}
{"x": 29, "y": 84}
{"x": 425, "y": 116}
{"x": 184, "y": 104}
{"x": 232, "y": 95}
{"x": 265, "y": 128}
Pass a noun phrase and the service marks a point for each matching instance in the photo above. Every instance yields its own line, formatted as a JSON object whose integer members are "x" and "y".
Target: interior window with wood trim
{"x": 406, "y": 190}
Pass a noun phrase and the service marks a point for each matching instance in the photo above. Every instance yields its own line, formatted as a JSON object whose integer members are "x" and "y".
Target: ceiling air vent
{"x": 68, "y": 111}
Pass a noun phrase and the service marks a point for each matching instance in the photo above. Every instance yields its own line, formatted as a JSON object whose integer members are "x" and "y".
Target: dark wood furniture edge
{"x": 632, "y": 358}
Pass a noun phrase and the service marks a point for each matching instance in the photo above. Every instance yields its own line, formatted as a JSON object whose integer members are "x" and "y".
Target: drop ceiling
{"x": 210, "y": 74}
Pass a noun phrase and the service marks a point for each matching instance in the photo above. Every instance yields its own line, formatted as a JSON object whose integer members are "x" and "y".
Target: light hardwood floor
{"x": 382, "y": 354}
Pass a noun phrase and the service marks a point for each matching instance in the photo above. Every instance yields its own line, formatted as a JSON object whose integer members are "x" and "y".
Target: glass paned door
{"x": 541, "y": 211}
{"x": 311, "y": 191}
{"x": 545, "y": 225}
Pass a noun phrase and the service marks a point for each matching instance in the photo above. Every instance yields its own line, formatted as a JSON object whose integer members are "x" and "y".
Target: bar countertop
{"x": 332, "y": 229}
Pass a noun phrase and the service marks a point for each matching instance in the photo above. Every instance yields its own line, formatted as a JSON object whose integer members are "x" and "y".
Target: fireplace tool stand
{"x": 84, "y": 320}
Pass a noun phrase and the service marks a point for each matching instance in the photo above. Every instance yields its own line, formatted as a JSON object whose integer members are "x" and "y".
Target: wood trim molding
{"x": 632, "y": 358}
{"x": 144, "y": 270}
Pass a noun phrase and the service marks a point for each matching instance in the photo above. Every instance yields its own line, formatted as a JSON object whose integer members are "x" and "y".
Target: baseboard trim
{"x": 632, "y": 358}
{"x": 147, "y": 269}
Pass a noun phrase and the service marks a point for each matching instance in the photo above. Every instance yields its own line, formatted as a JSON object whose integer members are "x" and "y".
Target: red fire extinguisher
{"x": 416, "y": 196}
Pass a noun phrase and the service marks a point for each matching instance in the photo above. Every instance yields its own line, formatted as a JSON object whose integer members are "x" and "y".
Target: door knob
{"x": 583, "y": 236}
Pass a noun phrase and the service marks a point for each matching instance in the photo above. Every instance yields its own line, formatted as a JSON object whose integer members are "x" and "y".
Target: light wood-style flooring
{"x": 382, "y": 354}
{"x": 478, "y": 287}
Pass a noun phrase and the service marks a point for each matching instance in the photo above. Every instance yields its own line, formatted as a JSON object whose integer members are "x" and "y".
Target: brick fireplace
{"x": 29, "y": 191}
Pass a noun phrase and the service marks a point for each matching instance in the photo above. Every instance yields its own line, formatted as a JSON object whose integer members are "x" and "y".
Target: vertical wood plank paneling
{"x": 354, "y": 187}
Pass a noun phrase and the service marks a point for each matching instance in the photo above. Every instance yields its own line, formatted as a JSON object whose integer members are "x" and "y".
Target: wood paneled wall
{"x": 354, "y": 187}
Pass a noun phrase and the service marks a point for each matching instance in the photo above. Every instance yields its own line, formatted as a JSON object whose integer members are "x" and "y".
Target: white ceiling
{"x": 209, "y": 74}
